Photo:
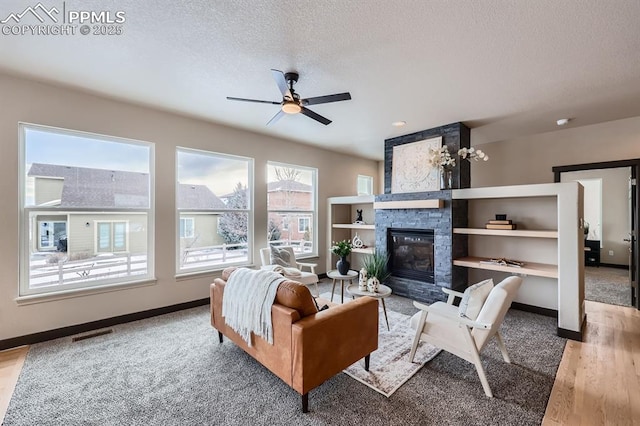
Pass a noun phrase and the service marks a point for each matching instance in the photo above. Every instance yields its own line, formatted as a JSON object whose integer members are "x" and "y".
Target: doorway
{"x": 611, "y": 218}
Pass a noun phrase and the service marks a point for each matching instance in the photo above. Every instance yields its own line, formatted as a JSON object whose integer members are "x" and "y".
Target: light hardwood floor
{"x": 11, "y": 362}
{"x": 598, "y": 381}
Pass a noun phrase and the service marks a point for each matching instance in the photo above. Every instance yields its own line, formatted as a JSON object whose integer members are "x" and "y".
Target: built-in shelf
{"x": 368, "y": 250}
{"x": 529, "y": 268}
{"x": 530, "y": 233}
{"x": 342, "y": 212}
{"x": 353, "y": 226}
{"x": 409, "y": 204}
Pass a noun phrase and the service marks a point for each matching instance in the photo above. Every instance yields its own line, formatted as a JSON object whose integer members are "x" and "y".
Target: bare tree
{"x": 287, "y": 173}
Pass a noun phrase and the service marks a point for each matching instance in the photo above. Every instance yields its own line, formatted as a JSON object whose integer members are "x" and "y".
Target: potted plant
{"x": 342, "y": 249}
{"x": 376, "y": 266}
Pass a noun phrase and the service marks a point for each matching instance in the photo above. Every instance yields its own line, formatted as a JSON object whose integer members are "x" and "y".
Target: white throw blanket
{"x": 247, "y": 301}
{"x": 284, "y": 270}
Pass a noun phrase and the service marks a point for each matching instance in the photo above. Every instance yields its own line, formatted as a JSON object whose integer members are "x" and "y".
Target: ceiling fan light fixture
{"x": 291, "y": 108}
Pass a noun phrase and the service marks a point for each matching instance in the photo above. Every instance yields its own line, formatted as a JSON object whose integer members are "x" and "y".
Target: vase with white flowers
{"x": 445, "y": 162}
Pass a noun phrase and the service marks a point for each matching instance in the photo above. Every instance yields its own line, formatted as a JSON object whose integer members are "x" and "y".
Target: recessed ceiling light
{"x": 398, "y": 123}
{"x": 562, "y": 121}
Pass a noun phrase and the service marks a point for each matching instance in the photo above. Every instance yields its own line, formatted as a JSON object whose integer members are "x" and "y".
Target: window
{"x": 291, "y": 200}
{"x": 304, "y": 224}
{"x": 215, "y": 216}
{"x": 111, "y": 237}
{"x": 186, "y": 227}
{"x": 365, "y": 185}
{"x": 86, "y": 210}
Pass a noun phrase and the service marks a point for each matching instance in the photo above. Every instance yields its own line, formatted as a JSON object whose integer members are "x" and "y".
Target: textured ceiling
{"x": 505, "y": 68}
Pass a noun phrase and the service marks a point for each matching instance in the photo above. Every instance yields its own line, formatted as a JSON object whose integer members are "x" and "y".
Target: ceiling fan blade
{"x": 253, "y": 100}
{"x": 276, "y": 117}
{"x": 326, "y": 99}
{"x": 315, "y": 116}
{"x": 278, "y": 76}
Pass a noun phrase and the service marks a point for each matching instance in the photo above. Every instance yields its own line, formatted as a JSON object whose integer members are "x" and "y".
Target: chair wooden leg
{"x": 416, "y": 339}
{"x": 366, "y": 362}
{"x": 483, "y": 378}
{"x": 305, "y": 402}
{"x": 475, "y": 356}
{"x": 503, "y": 348}
{"x": 220, "y": 337}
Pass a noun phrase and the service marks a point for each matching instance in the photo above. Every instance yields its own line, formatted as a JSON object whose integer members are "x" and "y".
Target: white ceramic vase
{"x": 362, "y": 280}
{"x": 373, "y": 284}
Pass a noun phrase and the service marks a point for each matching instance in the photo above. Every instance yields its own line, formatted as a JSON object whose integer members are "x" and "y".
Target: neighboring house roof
{"x": 288, "y": 185}
{"x": 197, "y": 197}
{"x": 87, "y": 187}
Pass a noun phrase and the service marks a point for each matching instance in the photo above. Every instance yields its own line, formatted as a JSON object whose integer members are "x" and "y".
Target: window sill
{"x": 308, "y": 256}
{"x": 214, "y": 273}
{"x": 72, "y": 293}
{"x": 199, "y": 274}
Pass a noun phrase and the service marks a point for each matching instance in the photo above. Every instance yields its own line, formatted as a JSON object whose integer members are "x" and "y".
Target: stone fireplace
{"x": 416, "y": 229}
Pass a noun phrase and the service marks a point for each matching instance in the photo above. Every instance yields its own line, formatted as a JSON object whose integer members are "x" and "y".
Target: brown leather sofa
{"x": 309, "y": 347}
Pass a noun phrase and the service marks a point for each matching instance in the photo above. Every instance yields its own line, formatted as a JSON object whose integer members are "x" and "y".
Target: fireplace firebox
{"x": 411, "y": 253}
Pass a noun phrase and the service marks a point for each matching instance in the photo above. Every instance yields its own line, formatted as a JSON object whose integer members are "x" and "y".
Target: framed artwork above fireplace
{"x": 411, "y": 171}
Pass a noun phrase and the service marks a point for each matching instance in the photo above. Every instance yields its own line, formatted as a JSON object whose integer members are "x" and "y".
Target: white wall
{"x": 529, "y": 159}
{"x": 33, "y": 102}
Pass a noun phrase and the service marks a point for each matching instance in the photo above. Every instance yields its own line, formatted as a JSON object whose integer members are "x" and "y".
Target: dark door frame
{"x": 634, "y": 164}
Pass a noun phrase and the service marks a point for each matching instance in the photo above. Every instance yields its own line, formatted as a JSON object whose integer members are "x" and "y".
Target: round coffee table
{"x": 381, "y": 294}
{"x": 337, "y": 276}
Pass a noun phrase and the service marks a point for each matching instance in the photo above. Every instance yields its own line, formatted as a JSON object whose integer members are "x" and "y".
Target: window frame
{"x": 313, "y": 214}
{"x": 250, "y": 211}
{"x": 25, "y": 212}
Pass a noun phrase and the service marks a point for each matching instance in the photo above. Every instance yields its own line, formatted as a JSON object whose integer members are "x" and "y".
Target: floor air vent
{"x": 91, "y": 334}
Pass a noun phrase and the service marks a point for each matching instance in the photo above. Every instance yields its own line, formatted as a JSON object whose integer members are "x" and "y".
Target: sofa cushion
{"x": 291, "y": 294}
{"x": 227, "y": 272}
{"x": 296, "y": 296}
{"x": 473, "y": 299}
{"x": 280, "y": 256}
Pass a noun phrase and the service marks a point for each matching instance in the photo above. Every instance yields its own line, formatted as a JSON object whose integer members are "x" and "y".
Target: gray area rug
{"x": 171, "y": 370}
{"x": 607, "y": 285}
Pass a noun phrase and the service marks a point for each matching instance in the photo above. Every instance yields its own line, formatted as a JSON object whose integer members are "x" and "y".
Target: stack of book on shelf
{"x": 501, "y": 224}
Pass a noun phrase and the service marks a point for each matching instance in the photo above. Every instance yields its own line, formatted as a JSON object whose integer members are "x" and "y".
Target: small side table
{"x": 338, "y": 277}
{"x": 381, "y": 294}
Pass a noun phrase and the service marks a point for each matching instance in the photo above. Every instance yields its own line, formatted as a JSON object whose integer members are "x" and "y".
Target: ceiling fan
{"x": 291, "y": 102}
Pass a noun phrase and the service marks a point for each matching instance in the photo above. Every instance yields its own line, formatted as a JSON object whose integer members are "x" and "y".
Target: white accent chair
{"x": 305, "y": 278}
{"x": 441, "y": 325}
